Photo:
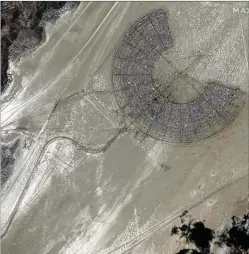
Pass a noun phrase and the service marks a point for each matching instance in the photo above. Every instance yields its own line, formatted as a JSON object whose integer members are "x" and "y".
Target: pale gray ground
{"x": 73, "y": 191}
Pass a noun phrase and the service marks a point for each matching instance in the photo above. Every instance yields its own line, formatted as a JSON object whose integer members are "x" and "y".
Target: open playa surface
{"x": 87, "y": 182}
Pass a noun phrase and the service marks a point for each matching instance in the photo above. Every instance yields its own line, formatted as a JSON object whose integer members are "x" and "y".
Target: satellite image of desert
{"x": 119, "y": 122}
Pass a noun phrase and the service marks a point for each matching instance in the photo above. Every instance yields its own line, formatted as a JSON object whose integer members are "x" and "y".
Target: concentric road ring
{"x": 149, "y": 109}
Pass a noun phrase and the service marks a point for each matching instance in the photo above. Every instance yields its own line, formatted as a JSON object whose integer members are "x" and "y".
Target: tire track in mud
{"x": 78, "y": 145}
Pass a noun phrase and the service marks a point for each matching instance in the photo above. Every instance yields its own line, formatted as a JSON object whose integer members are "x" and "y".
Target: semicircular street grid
{"x": 150, "y": 109}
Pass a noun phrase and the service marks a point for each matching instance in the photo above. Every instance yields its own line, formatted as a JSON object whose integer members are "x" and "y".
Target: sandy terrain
{"x": 86, "y": 184}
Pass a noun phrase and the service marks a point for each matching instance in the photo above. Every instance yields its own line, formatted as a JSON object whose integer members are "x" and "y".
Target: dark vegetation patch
{"x": 196, "y": 233}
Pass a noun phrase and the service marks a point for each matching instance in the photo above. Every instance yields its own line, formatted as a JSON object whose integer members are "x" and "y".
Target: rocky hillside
{"x": 22, "y": 29}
